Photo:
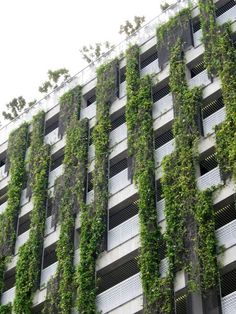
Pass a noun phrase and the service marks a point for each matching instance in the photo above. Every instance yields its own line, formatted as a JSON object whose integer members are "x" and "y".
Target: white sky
{"x": 48, "y": 34}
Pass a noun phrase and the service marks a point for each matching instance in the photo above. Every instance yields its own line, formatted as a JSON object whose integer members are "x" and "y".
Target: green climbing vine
{"x": 17, "y": 145}
{"x": 29, "y": 260}
{"x": 72, "y": 185}
{"x": 140, "y": 147}
{"x": 93, "y": 219}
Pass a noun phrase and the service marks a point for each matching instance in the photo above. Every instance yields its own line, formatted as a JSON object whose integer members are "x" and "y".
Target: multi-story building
{"x": 119, "y": 286}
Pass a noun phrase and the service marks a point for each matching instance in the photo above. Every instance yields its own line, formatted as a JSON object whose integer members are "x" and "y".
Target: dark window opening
{"x": 89, "y": 182}
{"x": 212, "y": 107}
{"x": 23, "y": 224}
{"x": 50, "y": 256}
{"x": 90, "y": 97}
{"x": 181, "y": 305}
{"x": 225, "y": 215}
{"x": 123, "y": 214}
{"x": 49, "y": 206}
{"x": 196, "y": 25}
{"x": 162, "y": 249}
{"x": 148, "y": 57}
{"x": 91, "y": 136}
{"x": 208, "y": 164}
{"x": 163, "y": 138}
{"x": 224, "y": 8}
{"x": 197, "y": 69}
{"x": 51, "y": 127}
{"x": 161, "y": 93}
{"x": 228, "y": 283}
{"x": 3, "y": 195}
{"x": 9, "y": 280}
{"x": 122, "y": 75}
{"x": 118, "y": 167}
{"x": 56, "y": 161}
{"x": 117, "y": 122}
{"x": 3, "y": 157}
{"x": 159, "y": 191}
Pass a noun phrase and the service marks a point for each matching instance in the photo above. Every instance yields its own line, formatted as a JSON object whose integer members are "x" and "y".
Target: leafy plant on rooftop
{"x": 129, "y": 28}
{"x": 55, "y": 79}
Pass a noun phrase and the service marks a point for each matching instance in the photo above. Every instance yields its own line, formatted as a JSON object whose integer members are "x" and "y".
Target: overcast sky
{"x": 48, "y": 34}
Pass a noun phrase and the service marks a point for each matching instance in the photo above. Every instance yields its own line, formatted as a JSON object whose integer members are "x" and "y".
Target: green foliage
{"x": 140, "y": 145}
{"x": 174, "y": 22}
{"x": 73, "y": 196}
{"x": 91, "y": 53}
{"x": 129, "y": 28}
{"x": 210, "y": 32}
{"x": 226, "y": 132}
{"x": 16, "y": 157}
{"x": 54, "y": 80}
{"x": 93, "y": 219}
{"x": 29, "y": 261}
{"x": 6, "y": 309}
{"x": 14, "y": 108}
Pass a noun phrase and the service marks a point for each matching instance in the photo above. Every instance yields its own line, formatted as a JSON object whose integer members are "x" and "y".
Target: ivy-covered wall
{"x": 29, "y": 258}
{"x": 17, "y": 146}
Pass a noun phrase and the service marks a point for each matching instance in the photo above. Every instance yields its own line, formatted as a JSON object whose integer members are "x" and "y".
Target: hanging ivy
{"x": 93, "y": 219}
{"x": 140, "y": 147}
{"x": 17, "y": 145}
{"x": 226, "y": 131}
{"x": 29, "y": 260}
{"x": 72, "y": 191}
{"x": 6, "y": 309}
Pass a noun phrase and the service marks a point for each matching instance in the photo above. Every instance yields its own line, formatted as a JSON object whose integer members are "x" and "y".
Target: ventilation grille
{"x": 208, "y": 164}
{"x": 197, "y": 69}
{"x": 163, "y": 139}
{"x": 146, "y": 61}
{"x": 181, "y": 305}
{"x": 212, "y": 107}
{"x": 161, "y": 93}
{"x": 225, "y": 215}
{"x": 118, "y": 167}
{"x": 117, "y": 122}
{"x": 225, "y": 8}
{"x": 123, "y": 215}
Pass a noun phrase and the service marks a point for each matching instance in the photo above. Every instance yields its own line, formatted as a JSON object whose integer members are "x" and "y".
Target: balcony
{"x": 211, "y": 178}
{"x": 52, "y": 137}
{"x": 90, "y": 197}
{"x": 118, "y": 134}
{"x": 229, "y": 303}
{"x": 3, "y": 207}
{"x": 3, "y": 174}
{"x": 226, "y": 235}
{"x": 164, "y": 150}
{"x": 200, "y": 79}
{"x": 24, "y": 199}
{"x": 57, "y": 172}
{"x": 160, "y": 205}
{"x": 122, "y": 90}
{"x": 91, "y": 152}
{"x": 119, "y": 294}
{"x": 162, "y": 105}
{"x": 150, "y": 68}
{"x": 214, "y": 119}
{"x": 123, "y": 232}
{"x": 164, "y": 265}
{"x": 8, "y": 296}
{"x": 47, "y": 273}
{"x": 89, "y": 112}
{"x": 118, "y": 182}
{"x": 227, "y": 16}
{"x": 21, "y": 239}
{"x": 197, "y": 38}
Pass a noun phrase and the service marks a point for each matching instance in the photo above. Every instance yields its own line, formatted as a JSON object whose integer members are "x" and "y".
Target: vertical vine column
{"x": 29, "y": 260}
{"x": 140, "y": 148}
{"x": 17, "y": 145}
{"x": 93, "y": 219}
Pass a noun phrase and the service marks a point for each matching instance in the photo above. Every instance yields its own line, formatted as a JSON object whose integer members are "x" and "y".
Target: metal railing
{"x": 89, "y": 112}
{"x": 160, "y": 205}
{"x": 214, "y": 119}
{"x": 197, "y": 38}
{"x": 88, "y": 73}
{"x": 164, "y": 150}
{"x": 211, "y": 178}
{"x": 226, "y": 235}
{"x": 229, "y": 303}
{"x": 123, "y": 232}
{"x": 162, "y": 105}
{"x": 119, "y": 294}
{"x": 229, "y": 15}
{"x": 164, "y": 265}
{"x": 150, "y": 68}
